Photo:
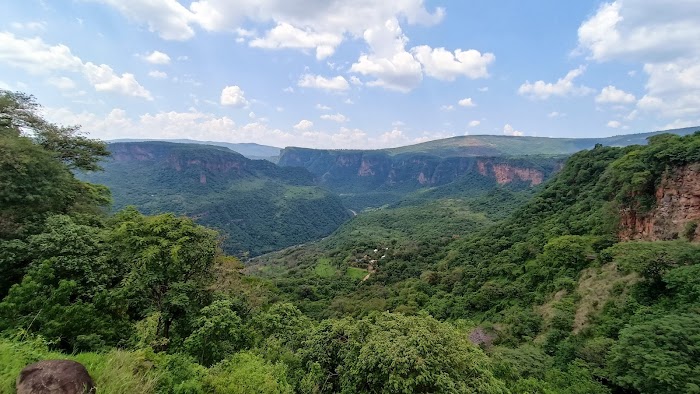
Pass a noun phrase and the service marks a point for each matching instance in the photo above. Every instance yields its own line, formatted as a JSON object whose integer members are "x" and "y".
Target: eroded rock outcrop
{"x": 676, "y": 212}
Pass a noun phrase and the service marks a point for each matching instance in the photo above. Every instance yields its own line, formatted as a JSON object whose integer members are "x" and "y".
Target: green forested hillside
{"x": 481, "y": 295}
{"x": 258, "y": 206}
{"x": 551, "y": 286}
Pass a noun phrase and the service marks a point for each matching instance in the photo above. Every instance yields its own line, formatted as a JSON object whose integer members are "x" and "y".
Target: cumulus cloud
{"x": 612, "y": 95}
{"x": 233, "y": 96}
{"x": 322, "y": 107}
{"x": 555, "y": 114}
{"x": 340, "y": 118}
{"x": 474, "y": 123}
{"x": 563, "y": 87}
{"x": 445, "y": 65}
{"x": 157, "y": 57}
{"x": 285, "y": 35}
{"x": 466, "y": 102}
{"x": 104, "y": 79}
{"x": 304, "y": 125}
{"x": 389, "y": 63}
{"x": 319, "y": 25}
{"x": 168, "y": 18}
{"x": 614, "y": 124}
{"x": 664, "y": 36}
{"x": 338, "y": 83}
{"x": 509, "y": 130}
{"x": 447, "y": 107}
{"x": 37, "y": 57}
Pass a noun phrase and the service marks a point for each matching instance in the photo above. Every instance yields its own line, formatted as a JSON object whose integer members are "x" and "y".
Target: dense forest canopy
{"x": 538, "y": 294}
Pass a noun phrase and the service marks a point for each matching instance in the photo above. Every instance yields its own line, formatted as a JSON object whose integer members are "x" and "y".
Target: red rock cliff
{"x": 677, "y": 205}
{"x": 505, "y": 173}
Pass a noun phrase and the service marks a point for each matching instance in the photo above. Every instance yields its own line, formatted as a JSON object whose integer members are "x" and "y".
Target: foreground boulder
{"x": 55, "y": 377}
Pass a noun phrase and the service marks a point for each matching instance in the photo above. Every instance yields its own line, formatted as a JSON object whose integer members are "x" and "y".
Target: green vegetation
{"x": 478, "y": 294}
{"x": 257, "y": 206}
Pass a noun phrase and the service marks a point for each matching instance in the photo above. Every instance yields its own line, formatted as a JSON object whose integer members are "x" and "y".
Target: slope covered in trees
{"x": 547, "y": 300}
{"x": 258, "y": 206}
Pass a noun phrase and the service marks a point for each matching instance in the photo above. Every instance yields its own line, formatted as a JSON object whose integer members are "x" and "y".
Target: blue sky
{"x": 355, "y": 74}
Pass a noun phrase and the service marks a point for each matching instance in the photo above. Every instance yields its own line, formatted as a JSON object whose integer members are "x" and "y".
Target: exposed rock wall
{"x": 677, "y": 206}
{"x": 373, "y": 169}
{"x": 506, "y": 173}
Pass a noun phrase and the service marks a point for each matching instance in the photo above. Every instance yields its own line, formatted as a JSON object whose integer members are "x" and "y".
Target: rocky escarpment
{"x": 505, "y": 173}
{"x": 369, "y": 170}
{"x": 676, "y": 213}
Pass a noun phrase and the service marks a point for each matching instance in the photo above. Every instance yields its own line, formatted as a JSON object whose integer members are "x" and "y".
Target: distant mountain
{"x": 257, "y": 205}
{"x": 502, "y": 145}
{"x": 249, "y": 150}
{"x": 372, "y": 178}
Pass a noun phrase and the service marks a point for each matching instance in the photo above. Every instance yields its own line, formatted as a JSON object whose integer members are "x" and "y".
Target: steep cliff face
{"x": 505, "y": 173}
{"x": 677, "y": 208}
{"x": 369, "y": 170}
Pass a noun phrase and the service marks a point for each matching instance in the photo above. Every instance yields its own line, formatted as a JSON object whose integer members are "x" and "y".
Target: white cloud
{"x": 157, "y": 57}
{"x": 304, "y": 125}
{"x": 466, "y": 102}
{"x": 337, "y": 83}
{"x": 509, "y": 130}
{"x": 643, "y": 30}
{"x": 173, "y": 21}
{"x": 612, "y": 95}
{"x": 233, "y": 96}
{"x": 340, "y": 118}
{"x": 170, "y": 19}
{"x": 614, "y": 124}
{"x": 288, "y": 89}
{"x": 392, "y": 67}
{"x": 662, "y": 35}
{"x": 63, "y": 83}
{"x": 474, "y": 123}
{"x": 442, "y": 64}
{"x": 349, "y": 101}
{"x": 556, "y": 114}
{"x": 322, "y": 107}
{"x": 563, "y": 87}
{"x": 32, "y": 25}
{"x": 285, "y": 35}
{"x": 484, "y": 89}
{"x": 104, "y": 79}
{"x": 447, "y": 107}
{"x": 157, "y": 74}
{"x": 37, "y": 57}
{"x": 197, "y": 125}
{"x": 355, "y": 80}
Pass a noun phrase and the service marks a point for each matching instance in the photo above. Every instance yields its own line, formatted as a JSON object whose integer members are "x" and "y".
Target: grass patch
{"x": 324, "y": 268}
{"x": 356, "y": 273}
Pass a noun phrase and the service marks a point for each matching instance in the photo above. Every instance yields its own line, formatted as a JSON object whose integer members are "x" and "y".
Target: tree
{"x": 247, "y": 373}
{"x": 393, "y": 353}
{"x": 36, "y": 180}
{"x": 64, "y": 295}
{"x": 19, "y": 117}
{"x": 170, "y": 261}
{"x": 660, "y": 355}
{"x": 218, "y": 333}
